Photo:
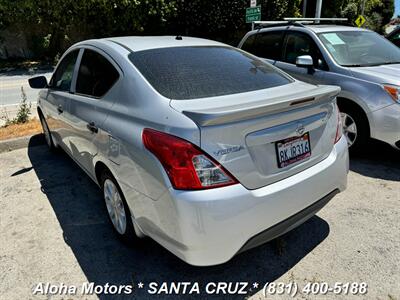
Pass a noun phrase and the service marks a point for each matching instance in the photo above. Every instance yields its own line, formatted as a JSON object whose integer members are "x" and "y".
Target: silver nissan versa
{"x": 203, "y": 147}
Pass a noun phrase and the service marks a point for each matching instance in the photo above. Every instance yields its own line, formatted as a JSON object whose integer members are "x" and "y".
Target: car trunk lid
{"x": 242, "y": 134}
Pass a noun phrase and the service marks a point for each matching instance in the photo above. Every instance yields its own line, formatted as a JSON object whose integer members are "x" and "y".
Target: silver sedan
{"x": 203, "y": 147}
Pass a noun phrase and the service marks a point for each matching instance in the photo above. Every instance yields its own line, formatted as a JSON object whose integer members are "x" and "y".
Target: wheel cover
{"x": 115, "y": 206}
{"x": 349, "y": 128}
{"x": 46, "y": 132}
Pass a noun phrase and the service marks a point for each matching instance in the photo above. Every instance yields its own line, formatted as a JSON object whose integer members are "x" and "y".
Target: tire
{"x": 355, "y": 126}
{"x": 47, "y": 133}
{"x": 117, "y": 209}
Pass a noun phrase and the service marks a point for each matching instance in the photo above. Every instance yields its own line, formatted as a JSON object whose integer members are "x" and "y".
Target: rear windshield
{"x": 197, "y": 72}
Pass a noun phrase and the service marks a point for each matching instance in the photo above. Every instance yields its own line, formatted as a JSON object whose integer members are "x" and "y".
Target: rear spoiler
{"x": 228, "y": 114}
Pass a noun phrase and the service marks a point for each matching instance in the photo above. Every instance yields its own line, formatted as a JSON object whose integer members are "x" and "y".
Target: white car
{"x": 203, "y": 147}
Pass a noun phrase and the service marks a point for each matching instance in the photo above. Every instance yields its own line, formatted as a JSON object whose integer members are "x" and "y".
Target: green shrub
{"x": 24, "y": 110}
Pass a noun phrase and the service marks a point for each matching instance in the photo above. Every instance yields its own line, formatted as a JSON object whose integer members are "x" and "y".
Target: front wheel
{"x": 355, "y": 126}
{"x": 47, "y": 134}
{"x": 349, "y": 128}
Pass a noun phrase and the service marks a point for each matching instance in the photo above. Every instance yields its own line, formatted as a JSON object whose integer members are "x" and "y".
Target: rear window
{"x": 197, "y": 72}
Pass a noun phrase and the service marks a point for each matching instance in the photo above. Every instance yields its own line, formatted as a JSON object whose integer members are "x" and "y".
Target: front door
{"x": 297, "y": 44}
{"x": 90, "y": 104}
{"x": 58, "y": 99}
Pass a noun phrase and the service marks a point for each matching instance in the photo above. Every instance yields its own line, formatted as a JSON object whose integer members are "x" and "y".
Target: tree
{"x": 58, "y": 23}
{"x": 225, "y": 20}
{"x": 377, "y": 12}
{"x": 53, "y": 25}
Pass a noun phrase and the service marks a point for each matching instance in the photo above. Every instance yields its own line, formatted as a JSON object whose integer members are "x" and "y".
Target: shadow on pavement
{"x": 78, "y": 205}
{"x": 380, "y": 160}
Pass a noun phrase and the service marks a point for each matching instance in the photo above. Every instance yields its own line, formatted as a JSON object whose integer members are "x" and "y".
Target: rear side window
{"x": 62, "y": 77}
{"x": 96, "y": 74}
{"x": 249, "y": 44}
{"x": 265, "y": 44}
{"x": 197, "y": 72}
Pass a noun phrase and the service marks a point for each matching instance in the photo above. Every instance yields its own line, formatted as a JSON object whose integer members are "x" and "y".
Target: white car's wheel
{"x": 115, "y": 206}
{"x": 117, "y": 209}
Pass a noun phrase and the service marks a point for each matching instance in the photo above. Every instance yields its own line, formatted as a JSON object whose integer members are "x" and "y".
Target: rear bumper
{"x": 386, "y": 124}
{"x": 288, "y": 224}
{"x": 209, "y": 227}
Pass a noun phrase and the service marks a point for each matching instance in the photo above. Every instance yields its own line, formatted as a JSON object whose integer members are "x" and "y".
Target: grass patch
{"x": 21, "y": 124}
{"x": 30, "y": 127}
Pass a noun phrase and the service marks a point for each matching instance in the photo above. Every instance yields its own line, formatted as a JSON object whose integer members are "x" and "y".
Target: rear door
{"x": 58, "y": 98}
{"x": 266, "y": 45}
{"x": 90, "y": 104}
{"x": 297, "y": 44}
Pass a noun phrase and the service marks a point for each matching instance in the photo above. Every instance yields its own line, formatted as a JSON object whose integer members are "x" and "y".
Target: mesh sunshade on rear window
{"x": 197, "y": 72}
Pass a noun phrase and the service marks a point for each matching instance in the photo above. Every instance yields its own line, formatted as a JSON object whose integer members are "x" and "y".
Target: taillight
{"x": 339, "y": 126}
{"x": 187, "y": 166}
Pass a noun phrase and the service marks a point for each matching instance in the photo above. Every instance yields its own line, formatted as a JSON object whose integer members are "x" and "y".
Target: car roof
{"x": 140, "y": 43}
{"x": 315, "y": 28}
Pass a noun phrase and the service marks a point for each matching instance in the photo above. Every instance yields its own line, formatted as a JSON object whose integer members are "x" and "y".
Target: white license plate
{"x": 292, "y": 150}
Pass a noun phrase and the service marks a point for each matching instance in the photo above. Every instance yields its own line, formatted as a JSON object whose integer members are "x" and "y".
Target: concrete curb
{"x": 22, "y": 142}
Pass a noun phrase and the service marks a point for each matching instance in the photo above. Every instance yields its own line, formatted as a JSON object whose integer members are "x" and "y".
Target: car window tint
{"x": 298, "y": 44}
{"x": 265, "y": 45}
{"x": 198, "y": 72}
{"x": 248, "y": 44}
{"x": 96, "y": 74}
{"x": 62, "y": 77}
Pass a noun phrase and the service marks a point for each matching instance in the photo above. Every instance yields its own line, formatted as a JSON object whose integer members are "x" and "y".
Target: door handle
{"x": 92, "y": 127}
{"x": 60, "y": 109}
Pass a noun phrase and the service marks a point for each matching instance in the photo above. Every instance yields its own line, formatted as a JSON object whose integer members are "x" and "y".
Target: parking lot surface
{"x": 54, "y": 229}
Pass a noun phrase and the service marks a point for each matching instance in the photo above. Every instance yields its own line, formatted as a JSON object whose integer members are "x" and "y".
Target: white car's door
{"x": 58, "y": 99}
{"x": 90, "y": 104}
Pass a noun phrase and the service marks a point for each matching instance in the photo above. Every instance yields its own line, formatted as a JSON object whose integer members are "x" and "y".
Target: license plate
{"x": 292, "y": 150}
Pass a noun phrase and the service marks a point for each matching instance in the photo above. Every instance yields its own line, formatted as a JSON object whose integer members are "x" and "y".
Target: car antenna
{"x": 178, "y": 38}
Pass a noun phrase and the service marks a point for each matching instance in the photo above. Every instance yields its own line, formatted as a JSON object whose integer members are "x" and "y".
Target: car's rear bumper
{"x": 288, "y": 224}
{"x": 385, "y": 125}
{"x": 209, "y": 227}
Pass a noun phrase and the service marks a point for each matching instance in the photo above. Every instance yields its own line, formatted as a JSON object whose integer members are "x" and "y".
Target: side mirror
{"x": 305, "y": 61}
{"x": 38, "y": 82}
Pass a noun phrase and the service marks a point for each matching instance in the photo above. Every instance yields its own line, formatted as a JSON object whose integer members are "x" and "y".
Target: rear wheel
{"x": 355, "y": 126}
{"x": 47, "y": 133}
{"x": 117, "y": 208}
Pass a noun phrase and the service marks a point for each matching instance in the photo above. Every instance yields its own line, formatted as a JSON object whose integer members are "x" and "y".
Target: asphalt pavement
{"x": 54, "y": 228}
